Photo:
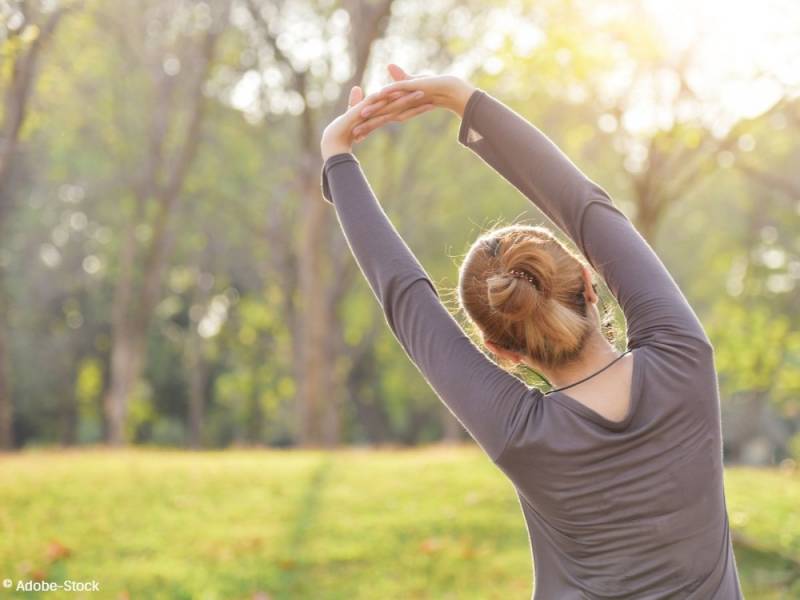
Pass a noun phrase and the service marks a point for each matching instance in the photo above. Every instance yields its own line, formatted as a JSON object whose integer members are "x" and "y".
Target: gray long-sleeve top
{"x": 628, "y": 509}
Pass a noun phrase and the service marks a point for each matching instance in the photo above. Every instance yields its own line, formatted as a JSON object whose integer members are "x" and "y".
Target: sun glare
{"x": 746, "y": 52}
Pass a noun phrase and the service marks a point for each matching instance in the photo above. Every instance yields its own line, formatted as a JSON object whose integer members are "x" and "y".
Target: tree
{"x": 176, "y": 67}
{"x": 26, "y": 31}
{"x": 317, "y": 286}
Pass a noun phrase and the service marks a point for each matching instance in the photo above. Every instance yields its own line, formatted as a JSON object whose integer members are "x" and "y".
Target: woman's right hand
{"x": 390, "y": 102}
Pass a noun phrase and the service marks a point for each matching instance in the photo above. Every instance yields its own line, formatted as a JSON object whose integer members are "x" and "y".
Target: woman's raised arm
{"x": 655, "y": 309}
{"x": 489, "y": 402}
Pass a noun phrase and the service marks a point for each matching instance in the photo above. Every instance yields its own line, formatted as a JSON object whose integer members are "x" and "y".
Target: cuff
{"x": 466, "y": 121}
{"x": 332, "y": 161}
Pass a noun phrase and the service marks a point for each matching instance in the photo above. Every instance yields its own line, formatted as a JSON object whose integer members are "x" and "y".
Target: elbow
{"x": 397, "y": 297}
{"x": 705, "y": 343}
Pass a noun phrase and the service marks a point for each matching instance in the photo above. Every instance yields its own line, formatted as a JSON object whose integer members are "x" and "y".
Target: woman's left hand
{"x": 338, "y": 135}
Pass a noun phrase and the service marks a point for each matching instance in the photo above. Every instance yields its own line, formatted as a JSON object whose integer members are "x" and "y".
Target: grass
{"x": 270, "y": 525}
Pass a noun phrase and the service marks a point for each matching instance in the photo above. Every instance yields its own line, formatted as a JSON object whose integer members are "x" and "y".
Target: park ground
{"x": 435, "y": 522}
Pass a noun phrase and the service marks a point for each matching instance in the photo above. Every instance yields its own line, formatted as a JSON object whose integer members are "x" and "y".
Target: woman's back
{"x": 630, "y": 508}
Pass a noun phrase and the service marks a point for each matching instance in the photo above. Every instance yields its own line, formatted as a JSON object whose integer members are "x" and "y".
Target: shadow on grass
{"x": 766, "y": 573}
{"x": 291, "y": 578}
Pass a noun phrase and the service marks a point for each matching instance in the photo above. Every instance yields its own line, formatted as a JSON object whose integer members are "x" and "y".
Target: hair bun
{"x": 523, "y": 289}
{"x": 513, "y": 297}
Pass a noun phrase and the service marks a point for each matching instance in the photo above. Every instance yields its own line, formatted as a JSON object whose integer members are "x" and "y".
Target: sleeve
{"x": 490, "y": 402}
{"x": 656, "y": 311}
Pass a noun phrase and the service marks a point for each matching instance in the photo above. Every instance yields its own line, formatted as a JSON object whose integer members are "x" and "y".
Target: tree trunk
{"x": 371, "y": 414}
{"x": 122, "y": 369}
{"x": 318, "y": 398}
{"x": 453, "y": 432}
{"x": 6, "y": 406}
{"x": 68, "y": 419}
{"x": 197, "y": 371}
{"x": 134, "y": 305}
{"x": 317, "y": 408}
{"x": 255, "y": 416}
{"x": 127, "y": 351}
{"x": 314, "y": 375}
{"x": 23, "y": 75}
{"x": 197, "y": 388}
{"x": 15, "y": 110}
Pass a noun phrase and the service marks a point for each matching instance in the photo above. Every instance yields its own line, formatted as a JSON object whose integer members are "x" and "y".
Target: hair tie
{"x": 523, "y": 275}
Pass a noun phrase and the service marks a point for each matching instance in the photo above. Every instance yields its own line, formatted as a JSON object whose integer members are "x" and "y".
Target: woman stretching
{"x": 620, "y": 478}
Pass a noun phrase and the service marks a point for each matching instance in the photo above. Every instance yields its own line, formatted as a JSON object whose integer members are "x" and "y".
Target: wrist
{"x": 457, "y": 96}
{"x": 333, "y": 148}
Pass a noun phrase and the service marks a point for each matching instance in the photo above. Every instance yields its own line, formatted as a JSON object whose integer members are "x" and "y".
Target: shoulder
{"x": 681, "y": 378}
{"x": 680, "y": 352}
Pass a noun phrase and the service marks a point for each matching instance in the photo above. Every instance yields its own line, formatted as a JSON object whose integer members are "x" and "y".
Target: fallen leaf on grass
{"x": 431, "y": 545}
{"x": 468, "y": 551}
{"x": 56, "y": 551}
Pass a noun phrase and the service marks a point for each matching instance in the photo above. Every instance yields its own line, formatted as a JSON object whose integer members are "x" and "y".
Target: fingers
{"x": 413, "y": 112}
{"x": 401, "y": 103}
{"x": 373, "y": 104}
{"x": 396, "y": 72}
{"x": 368, "y": 126}
{"x": 356, "y": 95}
{"x": 405, "y": 85}
{"x": 375, "y": 123}
{"x": 352, "y": 114}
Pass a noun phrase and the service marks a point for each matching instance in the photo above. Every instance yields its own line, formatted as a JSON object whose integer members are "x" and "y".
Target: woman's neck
{"x": 597, "y": 353}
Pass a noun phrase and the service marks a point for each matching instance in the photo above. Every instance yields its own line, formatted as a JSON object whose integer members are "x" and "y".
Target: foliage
{"x": 224, "y": 332}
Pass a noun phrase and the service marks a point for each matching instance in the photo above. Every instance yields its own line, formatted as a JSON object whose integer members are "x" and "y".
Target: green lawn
{"x": 428, "y": 523}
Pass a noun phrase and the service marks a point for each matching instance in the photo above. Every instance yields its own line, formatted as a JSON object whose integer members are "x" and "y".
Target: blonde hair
{"x": 524, "y": 290}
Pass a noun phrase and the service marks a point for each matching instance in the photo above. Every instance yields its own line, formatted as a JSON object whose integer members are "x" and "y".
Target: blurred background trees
{"x": 27, "y": 30}
{"x": 170, "y": 274}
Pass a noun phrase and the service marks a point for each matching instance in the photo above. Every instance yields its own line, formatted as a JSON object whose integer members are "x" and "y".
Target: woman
{"x": 620, "y": 479}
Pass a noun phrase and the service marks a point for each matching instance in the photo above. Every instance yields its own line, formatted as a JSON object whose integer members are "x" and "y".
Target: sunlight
{"x": 744, "y": 55}
{"x": 745, "y": 52}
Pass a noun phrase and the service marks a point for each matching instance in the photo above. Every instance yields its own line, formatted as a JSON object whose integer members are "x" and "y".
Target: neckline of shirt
{"x": 636, "y": 382}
